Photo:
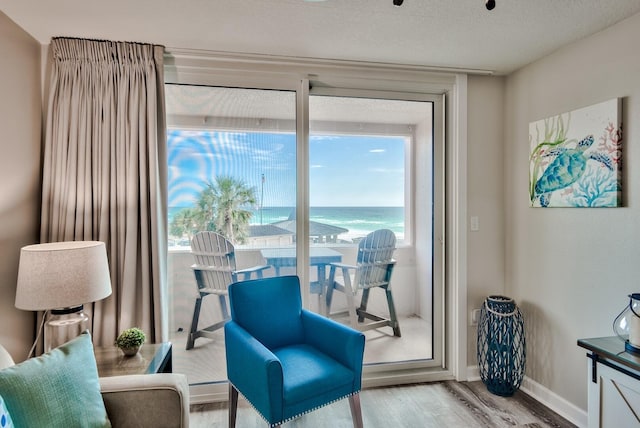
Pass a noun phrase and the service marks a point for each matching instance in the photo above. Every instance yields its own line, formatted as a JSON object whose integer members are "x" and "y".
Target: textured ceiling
{"x": 447, "y": 33}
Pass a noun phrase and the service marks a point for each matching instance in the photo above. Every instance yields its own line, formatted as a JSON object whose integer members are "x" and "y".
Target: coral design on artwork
{"x": 567, "y": 168}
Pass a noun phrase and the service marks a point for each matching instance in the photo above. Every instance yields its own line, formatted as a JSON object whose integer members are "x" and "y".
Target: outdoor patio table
{"x": 319, "y": 257}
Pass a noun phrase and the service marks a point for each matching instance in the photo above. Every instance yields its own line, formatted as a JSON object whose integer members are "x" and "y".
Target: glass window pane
{"x": 362, "y": 178}
{"x": 357, "y": 183}
{"x": 232, "y": 171}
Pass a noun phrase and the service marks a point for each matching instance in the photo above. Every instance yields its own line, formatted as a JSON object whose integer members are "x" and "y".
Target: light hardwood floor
{"x": 439, "y": 404}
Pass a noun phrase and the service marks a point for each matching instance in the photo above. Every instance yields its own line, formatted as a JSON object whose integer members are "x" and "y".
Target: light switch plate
{"x": 475, "y": 223}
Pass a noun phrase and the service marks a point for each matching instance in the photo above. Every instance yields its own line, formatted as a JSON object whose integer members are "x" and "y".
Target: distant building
{"x": 319, "y": 233}
{"x": 283, "y": 233}
{"x": 269, "y": 235}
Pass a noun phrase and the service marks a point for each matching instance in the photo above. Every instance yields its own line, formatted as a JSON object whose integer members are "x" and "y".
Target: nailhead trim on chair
{"x": 299, "y": 414}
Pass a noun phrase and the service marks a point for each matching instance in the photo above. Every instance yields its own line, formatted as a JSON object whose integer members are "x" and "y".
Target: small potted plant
{"x": 130, "y": 341}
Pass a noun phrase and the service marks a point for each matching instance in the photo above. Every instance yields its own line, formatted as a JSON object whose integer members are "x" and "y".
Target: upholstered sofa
{"x": 151, "y": 400}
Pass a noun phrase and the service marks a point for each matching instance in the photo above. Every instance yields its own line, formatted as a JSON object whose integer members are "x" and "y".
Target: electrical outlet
{"x": 475, "y": 317}
{"x": 475, "y": 223}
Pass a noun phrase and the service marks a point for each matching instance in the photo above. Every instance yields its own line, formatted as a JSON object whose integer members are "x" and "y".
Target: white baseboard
{"x": 564, "y": 408}
{"x": 203, "y": 393}
{"x": 473, "y": 373}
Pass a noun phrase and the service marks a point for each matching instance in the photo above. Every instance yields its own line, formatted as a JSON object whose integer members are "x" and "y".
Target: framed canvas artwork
{"x": 575, "y": 158}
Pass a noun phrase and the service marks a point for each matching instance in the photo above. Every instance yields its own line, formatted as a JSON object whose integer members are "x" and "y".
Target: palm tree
{"x": 231, "y": 197}
{"x": 221, "y": 207}
{"x": 184, "y": 223}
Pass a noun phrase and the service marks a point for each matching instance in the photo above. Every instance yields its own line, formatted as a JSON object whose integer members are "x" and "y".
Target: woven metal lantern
{"x": 501, "y": 345}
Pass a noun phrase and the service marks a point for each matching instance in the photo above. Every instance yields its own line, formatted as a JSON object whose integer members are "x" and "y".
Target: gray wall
{"x": 20, "y": 119}
{"x": 571, "y": 269}
{"x": 485, "y": 195}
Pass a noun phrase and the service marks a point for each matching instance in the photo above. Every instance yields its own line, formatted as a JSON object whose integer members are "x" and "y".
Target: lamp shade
{"x": 62, "y": 275}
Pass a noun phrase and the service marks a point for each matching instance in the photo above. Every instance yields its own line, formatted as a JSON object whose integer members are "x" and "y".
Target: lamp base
{"x": 631, "y": 348}
{"x": 63, "y": 325}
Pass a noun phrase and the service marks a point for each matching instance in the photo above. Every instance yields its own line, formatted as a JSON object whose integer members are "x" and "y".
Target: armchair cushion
{"x": 307, "y": 371}
{"x": 270, "y": 323}
{"x": 57, "y": 389}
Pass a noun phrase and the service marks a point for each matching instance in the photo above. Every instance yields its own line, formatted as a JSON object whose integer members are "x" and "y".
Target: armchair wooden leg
{"x": 328, "y": 297}
{"x": 364, "y": 301}
{"x": 194, "y": 323}
{"x": 353, "y": 316}
{"x": 223, "y": 307}
{"x": 233, "y": 405}
{"x": 356, "y": 411}
{"x": 392, "y": 314}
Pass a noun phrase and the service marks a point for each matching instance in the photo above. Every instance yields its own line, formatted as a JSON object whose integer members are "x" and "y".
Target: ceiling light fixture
{"x": 490, "y": 4}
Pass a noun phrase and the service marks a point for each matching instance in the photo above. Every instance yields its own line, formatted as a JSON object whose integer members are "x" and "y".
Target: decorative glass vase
{"x": 501, "y": 345}
{"x": 627, "y": 324}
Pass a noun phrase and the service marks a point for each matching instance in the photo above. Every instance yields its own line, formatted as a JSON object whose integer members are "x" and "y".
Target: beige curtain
{"x": 104, "y": 174}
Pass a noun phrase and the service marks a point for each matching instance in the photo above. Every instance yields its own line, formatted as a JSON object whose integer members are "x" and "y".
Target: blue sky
{"x": 344, "y": 170}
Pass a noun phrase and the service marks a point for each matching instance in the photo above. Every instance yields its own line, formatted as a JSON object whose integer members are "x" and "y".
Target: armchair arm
{"x": 345, "y": 277}
{"x": 254, "y": 371}
{"x": 246, "y": 273}
{"x": 342, "y": 266}
{"x": 207, "y": 268}
{"x": 339, "y": 341}
{"x": 149, "y": 400}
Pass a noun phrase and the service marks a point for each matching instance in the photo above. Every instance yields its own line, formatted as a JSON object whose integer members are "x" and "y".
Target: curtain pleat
{"x": 104, "y": 174}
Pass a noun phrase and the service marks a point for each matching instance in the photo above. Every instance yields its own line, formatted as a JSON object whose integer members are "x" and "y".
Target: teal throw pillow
{"x": 5, "y": 417}
{"x": 57, "y": 389}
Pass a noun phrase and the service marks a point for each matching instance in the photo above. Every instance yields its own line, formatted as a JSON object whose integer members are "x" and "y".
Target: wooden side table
{"x": 152, "y": 358}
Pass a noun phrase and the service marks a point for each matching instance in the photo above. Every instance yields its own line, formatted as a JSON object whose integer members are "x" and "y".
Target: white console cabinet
{"x": 613, "y": 384}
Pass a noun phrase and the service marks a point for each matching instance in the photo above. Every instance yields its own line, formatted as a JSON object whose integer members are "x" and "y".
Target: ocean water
{"x": 358, "y": 220}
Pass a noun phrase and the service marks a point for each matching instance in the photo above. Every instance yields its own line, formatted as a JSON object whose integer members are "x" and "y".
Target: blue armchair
{"x": 286, "y": 360}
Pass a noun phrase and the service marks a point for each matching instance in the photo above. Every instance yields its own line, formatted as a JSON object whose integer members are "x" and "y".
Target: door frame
{"x": 267, "y": 72}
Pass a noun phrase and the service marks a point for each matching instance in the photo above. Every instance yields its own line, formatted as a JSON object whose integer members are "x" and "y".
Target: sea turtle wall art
{"x": 576, "y": 158}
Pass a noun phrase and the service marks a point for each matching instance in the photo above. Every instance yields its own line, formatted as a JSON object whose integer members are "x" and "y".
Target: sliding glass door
{"x": 363, "y": 178}
{"x": 295, "y": 180}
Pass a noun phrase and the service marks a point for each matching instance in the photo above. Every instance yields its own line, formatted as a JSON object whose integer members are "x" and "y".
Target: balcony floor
{"x": 206, "y": 361}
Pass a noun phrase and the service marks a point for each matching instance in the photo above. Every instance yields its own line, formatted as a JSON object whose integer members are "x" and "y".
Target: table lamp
{"x": 59, "y": 278}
